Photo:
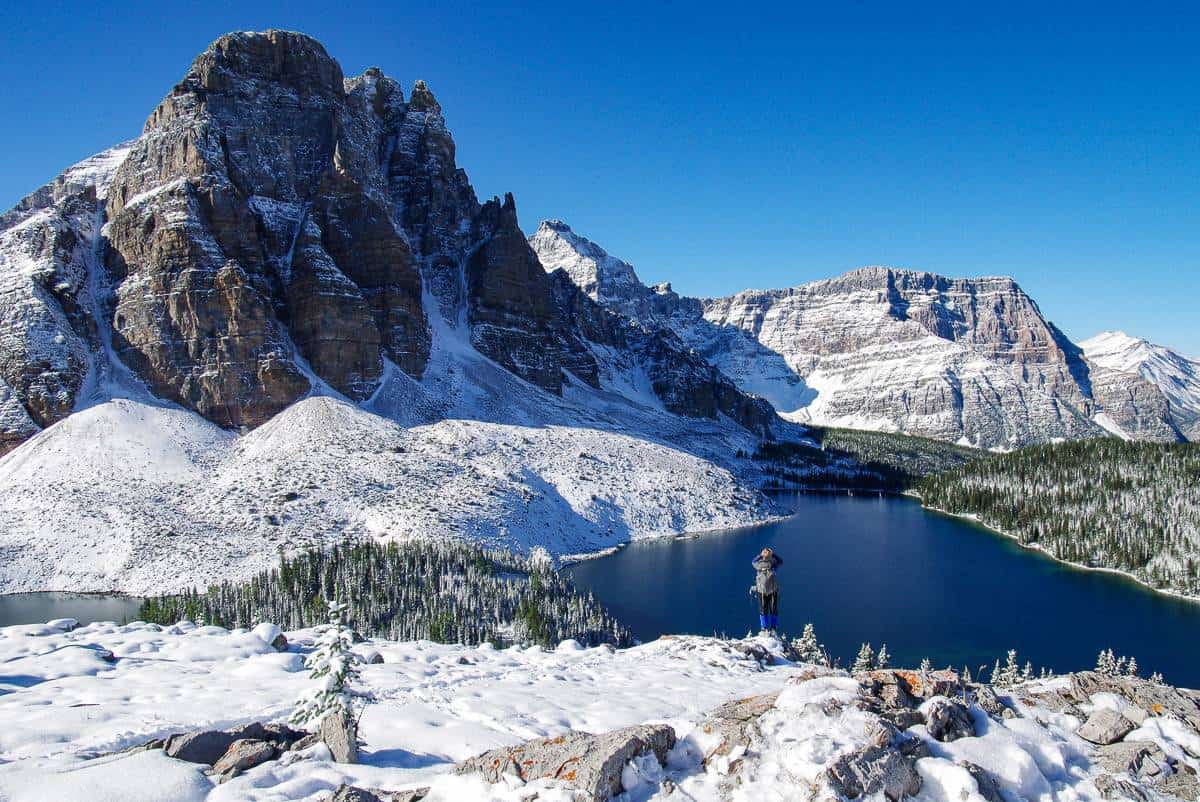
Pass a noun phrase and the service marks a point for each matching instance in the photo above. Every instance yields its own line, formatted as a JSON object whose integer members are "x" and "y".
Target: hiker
{"x": 767, "y": 588}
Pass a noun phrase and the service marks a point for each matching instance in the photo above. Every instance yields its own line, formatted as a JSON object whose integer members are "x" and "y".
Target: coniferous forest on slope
{"x": 1134, "y": 507}
{"x": 444, "y": 591}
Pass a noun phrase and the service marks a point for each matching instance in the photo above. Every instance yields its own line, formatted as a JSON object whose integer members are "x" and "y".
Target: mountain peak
{"x": 596, "y": 272}
{"x": 422, "y": 99}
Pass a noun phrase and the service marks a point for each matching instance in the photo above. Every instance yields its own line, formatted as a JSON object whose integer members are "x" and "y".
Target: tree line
{"x": 444, "y": 591}
{"x": 1109, "y": 503}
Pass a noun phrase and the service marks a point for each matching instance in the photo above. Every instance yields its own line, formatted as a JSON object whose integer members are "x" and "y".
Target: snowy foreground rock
{"x": 682, "y": 718}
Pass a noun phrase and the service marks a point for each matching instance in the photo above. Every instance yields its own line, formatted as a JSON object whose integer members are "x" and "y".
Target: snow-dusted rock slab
{"x": 591, "y": 763}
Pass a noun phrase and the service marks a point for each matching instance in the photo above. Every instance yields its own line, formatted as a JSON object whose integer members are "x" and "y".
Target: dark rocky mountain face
{"x": 276, "y": 226}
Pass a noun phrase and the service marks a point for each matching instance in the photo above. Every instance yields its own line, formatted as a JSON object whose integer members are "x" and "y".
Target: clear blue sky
{"x": 740, "y": 144}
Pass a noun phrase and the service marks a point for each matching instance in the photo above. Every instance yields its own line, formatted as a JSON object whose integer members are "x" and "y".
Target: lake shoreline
{"x": 975, "y": 519}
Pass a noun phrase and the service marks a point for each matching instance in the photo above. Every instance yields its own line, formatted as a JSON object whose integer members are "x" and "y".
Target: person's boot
{"x": 762, "y": 622}
{"x": 774, "y": 622}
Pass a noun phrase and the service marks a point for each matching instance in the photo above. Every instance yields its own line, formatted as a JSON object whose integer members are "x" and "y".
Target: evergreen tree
{"x": 333, "y": 669}
{"x": 1131, "y": 669}
{"x": 883, "y": 659}
{"x": 865, "y": 660}
{"x": 807, "y": 647}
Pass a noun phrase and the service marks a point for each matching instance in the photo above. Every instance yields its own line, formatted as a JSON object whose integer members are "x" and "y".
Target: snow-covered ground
{"x": 65, "y": 708}
{"x": 143, "y": 498}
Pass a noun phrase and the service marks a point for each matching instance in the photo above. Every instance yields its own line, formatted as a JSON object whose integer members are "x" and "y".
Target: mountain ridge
{"x": 972, "y": 361}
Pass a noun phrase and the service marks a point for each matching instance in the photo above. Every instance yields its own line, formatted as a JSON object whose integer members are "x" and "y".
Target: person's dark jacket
{"x": 765, "y": 581}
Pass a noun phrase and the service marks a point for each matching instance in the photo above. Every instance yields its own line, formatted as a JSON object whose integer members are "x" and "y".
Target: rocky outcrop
{"x": 873, "y": 770}
{"x": 590, "y": 763}
{"x": 1105, "y": 727}
{"x": 339, "y": 731}
{"x": 242, "y": 755}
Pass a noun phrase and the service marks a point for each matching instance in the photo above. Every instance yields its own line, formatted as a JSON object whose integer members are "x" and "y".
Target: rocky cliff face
{"x": 965, "y": 360}
{"x": 279, "y": 229}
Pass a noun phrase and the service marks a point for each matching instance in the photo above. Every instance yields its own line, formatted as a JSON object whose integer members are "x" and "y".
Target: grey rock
{"x": 1181, "y": 783}
{"x": 872, "y": 770}
{"x": 243, "y": 754}
{"x": 988, "y": 701}
{"x": 989, "y": 789}
{"x": 1138, "y": 759}
{"x": 590, "y": 763}
{"x": 735, "y": 722}
{"x": 199, "y": 747}
{"x": 948, "y": 720}
{"x": 339, "y": 732}
{"x": 280, "y": 643}
{"x": 305, "y": 742}
{"x": 1105, "y": 727}
{"x": 350, "y": 793}
{"x": 1120, "y": 788}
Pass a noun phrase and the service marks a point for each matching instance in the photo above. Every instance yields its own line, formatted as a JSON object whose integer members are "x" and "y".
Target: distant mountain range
{"x": 280, "y": 316}
{"x": 972, "y": 361}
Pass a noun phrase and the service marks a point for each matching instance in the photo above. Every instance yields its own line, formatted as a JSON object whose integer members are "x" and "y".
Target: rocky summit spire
{"x": 422, "y": 99}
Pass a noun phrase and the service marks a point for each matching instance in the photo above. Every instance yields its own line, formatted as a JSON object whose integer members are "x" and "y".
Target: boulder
{"x": 339, "y": 732}
{"x": 734, "y": 722}
{"x": 351, "y": 793}
{"x": 948, "y": 720}
{"x": 242, "y": 754}
{"x": 1105, "y": 726}
{"x": 199, "y": 747}
{"x": 872, "y": 770}
{"x": 590, "y": 763}
{"x": 305, "y": 742}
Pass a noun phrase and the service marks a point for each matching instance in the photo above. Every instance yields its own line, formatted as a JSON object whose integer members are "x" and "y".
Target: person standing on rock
{"x": 767, "y": 587}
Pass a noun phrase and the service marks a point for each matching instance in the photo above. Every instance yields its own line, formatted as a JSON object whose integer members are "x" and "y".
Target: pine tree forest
{"x": 1133, "y": 507}
{"x": 450, "y": 592}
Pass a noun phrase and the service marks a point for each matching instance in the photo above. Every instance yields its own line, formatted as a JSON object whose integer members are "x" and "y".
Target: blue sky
{"x": 740, "y": 145}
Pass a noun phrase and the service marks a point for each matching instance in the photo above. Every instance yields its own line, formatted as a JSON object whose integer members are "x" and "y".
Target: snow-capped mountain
{"x": 1174, "y": 374}
{"x": 965, "y": 360}
{"x": 280, "y": 314}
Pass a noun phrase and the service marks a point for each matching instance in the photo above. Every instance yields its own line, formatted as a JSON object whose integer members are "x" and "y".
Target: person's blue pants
{"x": 768, "y": 610}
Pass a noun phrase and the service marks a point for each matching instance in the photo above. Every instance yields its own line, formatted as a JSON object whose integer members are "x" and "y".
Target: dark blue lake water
{"x": 866, "y": 568}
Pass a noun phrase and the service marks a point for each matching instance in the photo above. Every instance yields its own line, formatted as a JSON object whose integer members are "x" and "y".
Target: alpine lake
{"x": 872, "y": 568}
{"x": 861, "y": 568}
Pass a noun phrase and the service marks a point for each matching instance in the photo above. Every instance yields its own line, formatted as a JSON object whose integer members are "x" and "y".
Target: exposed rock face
{"x": 1105, "y": 727}
{"x": 956, "y": 359}
{"x": 253, "y": 211}
{"x": 873, "y": 770}
{"x": 339, "y": 732}
{"x": 591, "y": 763}
{"x": 48, "y": 333}
{"x": 682, "y": 380}
{"x": 242, "y": 755}
{"x": 275, "y": 229}
{"x": 948, "y": 720}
